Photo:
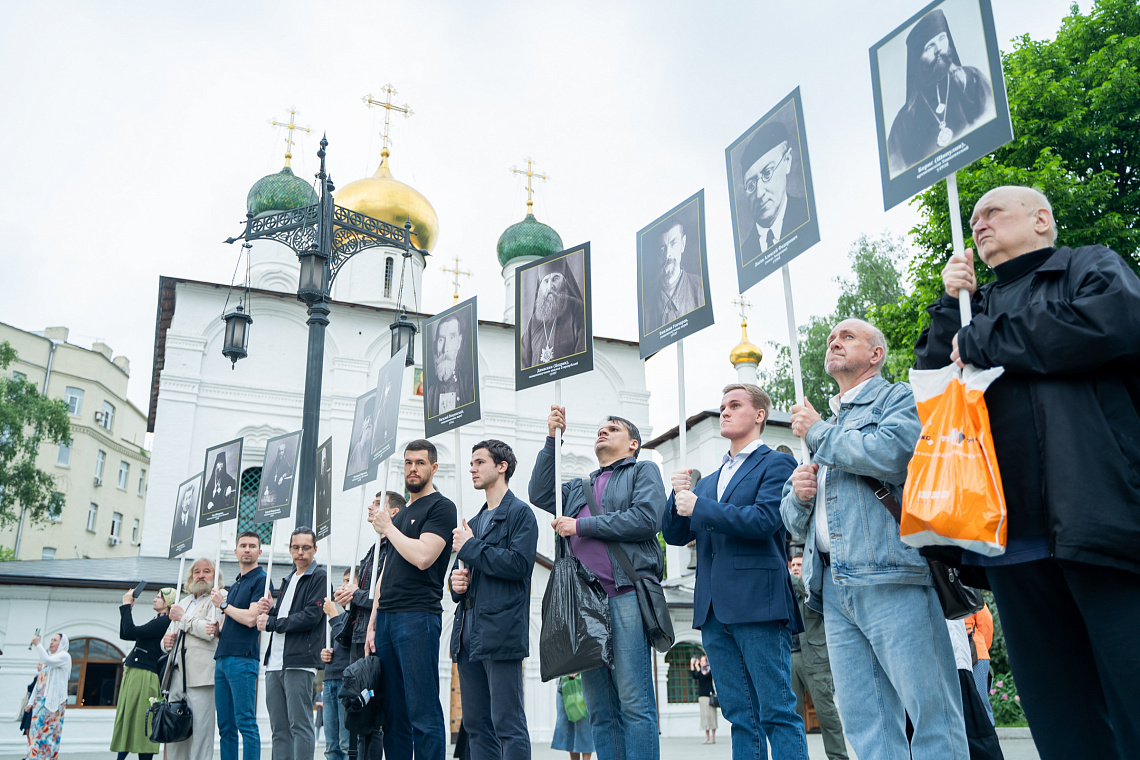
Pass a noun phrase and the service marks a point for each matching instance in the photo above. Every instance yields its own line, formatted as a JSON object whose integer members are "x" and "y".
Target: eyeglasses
{"x": 306, "y": 548}
{"x": 766, "y": 174}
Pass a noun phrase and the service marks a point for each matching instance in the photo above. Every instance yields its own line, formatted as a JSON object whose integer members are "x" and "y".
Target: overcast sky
{"x": 133, "y": 132}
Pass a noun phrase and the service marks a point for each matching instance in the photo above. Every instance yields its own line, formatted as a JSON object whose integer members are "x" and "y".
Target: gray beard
{"x": 551, "y": 307}
{"x": 199, "y": 587}
{"x": 445, "y": 366}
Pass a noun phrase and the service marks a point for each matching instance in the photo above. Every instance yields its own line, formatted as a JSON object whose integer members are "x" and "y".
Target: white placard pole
{"x": 363, "y": 517}
{"x": 217, "y": 568}
{"x": 794, "y": 347}
{"x": 269, "y": 570}
{"x": 376, "y": 550}
{"x": 328, "y": 597}
{"x": 459, "y": 483}
{"x": 181, "y": 572}
{"x": 959, "y": 242}
{"x": 558, "y": 454}
{"x": 682, "y": 431}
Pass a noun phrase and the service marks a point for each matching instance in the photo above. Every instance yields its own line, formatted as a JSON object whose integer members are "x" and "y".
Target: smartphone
{"x": 139, "y": 589}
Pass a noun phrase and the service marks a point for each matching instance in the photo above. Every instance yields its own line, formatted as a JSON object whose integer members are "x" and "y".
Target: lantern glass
{"x": 236, "y": 337}
{"x": 312, "y": 280}
{"x": 404, "y": 334}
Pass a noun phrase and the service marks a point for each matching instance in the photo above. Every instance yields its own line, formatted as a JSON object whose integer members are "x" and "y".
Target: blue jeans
{"x": 336, "y": 738}
{"x": 982, "y": 681}
{"x": 623, "y": 711}
{"x": 235, "y": 698}
{"x": 408, "y": 646}
{"x": 891, "y": 657}
{"x": 752, "y": 669}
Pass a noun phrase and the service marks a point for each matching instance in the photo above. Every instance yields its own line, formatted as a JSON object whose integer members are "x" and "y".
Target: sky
{"x": 133, "y": 132}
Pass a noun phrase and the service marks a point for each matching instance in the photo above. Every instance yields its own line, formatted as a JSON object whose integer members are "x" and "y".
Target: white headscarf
{"x": 57, "y": 671}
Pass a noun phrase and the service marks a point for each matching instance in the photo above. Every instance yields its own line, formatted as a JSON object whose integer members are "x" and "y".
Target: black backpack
{"x": 361, "y": 697}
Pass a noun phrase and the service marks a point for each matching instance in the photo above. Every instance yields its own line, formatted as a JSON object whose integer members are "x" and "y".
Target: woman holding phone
{"x": 140, "y": 675}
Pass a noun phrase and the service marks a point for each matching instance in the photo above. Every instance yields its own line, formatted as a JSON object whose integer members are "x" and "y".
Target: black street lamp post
{"x": 324, "y": 236}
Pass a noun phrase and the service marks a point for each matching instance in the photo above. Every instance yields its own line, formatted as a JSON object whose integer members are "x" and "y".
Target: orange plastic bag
{"x": 953, "y": 494}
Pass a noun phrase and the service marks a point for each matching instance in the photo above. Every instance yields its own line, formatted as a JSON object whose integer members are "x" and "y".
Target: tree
{"x": 27, "y": 419}
{"x": 1075, "y": 106}
{"x": 875, "y": 284}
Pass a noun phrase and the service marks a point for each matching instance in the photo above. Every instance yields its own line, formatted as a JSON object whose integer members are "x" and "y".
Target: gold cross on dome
{"x": 743, "y": 303}
{"x": 456, "y": 273}
{"x": 529, "y": 172}
{"x": 386, "y": 104}
{"x": 289, "y": 133}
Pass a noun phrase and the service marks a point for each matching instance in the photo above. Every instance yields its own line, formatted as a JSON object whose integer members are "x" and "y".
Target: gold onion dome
{"x": 746, "y": 351}
{"x": 283, "y": 191}
{"x": 389, "y": 200}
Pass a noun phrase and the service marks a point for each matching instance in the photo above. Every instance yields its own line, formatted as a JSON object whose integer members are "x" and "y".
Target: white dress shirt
{"x": 730, "y": 464}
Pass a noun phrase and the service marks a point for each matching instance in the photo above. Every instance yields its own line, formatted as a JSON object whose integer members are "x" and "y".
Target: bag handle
{"x": 615, "y": 547}
{"x": 170, "y": 663}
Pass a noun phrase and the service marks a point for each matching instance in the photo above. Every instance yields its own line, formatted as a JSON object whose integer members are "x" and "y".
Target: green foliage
{"x": 1005, "y": 700}
{"x": 6, "y": 554}
{"x": 27, "y": 419}
{"x": 1075, "y": 106}
{"x": 874, "y": 287}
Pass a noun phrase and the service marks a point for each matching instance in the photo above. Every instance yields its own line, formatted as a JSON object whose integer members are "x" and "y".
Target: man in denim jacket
{"x": 890, "y": 652}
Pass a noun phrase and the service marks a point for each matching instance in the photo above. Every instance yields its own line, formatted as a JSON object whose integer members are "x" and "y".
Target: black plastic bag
{"x": 360, "y": 695}
{"x": 575, "y": 634}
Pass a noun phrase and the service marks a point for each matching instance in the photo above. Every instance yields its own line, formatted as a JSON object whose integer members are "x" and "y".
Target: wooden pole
{"x": 794, "y": 347}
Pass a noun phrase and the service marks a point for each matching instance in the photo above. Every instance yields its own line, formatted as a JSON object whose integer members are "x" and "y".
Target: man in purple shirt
{"x": 631, "y": 498}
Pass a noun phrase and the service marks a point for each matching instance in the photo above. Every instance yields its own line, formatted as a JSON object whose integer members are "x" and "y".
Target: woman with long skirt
{"x": 140, "y": 676}
{"x": 49, "y": 699}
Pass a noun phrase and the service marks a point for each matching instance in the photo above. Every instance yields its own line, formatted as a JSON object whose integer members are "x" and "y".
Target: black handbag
{"x": 714, "y": 700}
{"x": 650, "y": 595}
{"x": 957, "y": 599}
{"x": 171, "y": 721}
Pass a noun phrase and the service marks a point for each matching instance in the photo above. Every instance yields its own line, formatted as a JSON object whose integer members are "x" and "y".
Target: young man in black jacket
{"x": 491, "y": 584}
{"x": 296, "y": 623}
{"x": 1064, "y": 416}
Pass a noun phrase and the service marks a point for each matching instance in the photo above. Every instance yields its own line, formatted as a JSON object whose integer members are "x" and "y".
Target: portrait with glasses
{"x": 772, "y": 203}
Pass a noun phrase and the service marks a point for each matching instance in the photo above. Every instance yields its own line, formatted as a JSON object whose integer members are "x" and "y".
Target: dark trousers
{"x": 370, "y": 746}
{"x": 407, "y": 644}
{"x": 1071, "y": 631}
{"x": 493, "y": 713}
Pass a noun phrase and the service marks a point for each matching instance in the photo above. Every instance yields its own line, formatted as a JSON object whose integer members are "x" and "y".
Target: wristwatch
{"x": 224, "y": 605}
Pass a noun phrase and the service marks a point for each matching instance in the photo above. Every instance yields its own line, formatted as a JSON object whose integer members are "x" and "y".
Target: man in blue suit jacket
{"x": 744, "y": 604}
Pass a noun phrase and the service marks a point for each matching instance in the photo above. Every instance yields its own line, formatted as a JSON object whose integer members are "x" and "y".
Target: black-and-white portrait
{"x": 672, "y": 277}
{"x": 359, "y": 468}
{"x": 451, "y": 369}
{"x": 324, "y": 490}
{"x": 389, "y": 394}
{"x": 275, "y": 492}
{"x": 773, "y": 204}
{"x": 553, "y": 322}
{"x": 939, "y": 95}
{"x": 185, "y": 516}
{"x": 220, "y": 493}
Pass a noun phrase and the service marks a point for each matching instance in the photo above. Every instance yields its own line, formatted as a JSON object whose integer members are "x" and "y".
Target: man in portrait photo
{"x": 360, "y": 453}
{"x": 384, "y": 431}
{"x": 324, "y": 478}
{"x": 766, "y": 163}
{"x": 453, "y": 386}
{"x": 944, "y": 99}
{"x": 556, "y": 328}
{"x": 184, "y": 515}
{"x": 277, "y": 483}
{"x": 678, "y": 292}
{"x": 221, "y": 488}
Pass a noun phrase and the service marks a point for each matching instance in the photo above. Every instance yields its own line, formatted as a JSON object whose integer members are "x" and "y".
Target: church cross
{"x": 456, "y": 273}
{"x": 386, "y": 104}
{"x": 529, "y": 172}
{"x": 289, "y": 133}
{"x": 743, "y": 303}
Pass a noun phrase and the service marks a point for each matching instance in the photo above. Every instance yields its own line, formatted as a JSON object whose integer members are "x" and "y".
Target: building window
{"x": 74, "y": 399}
{"x": 96, "y": 673}
{"x": 48, "y": 552}
{"x": 247, "y": 505}
{"x": 124, "y": 473}
{"x": 63, "y": 458}
{"x": 142, "y": 480}
{"x": 389, "y": 270}
{"x": 108, "y": 416}
{"x": 135, "y": 533}
{"x": 100, "y": 460}
{"x": 92, "y": 515}
{"x": 19, "y": 376}
{"x": 56, "y": 513}
{"x": 116, "y": 523}
{"x": 680, "y": 684}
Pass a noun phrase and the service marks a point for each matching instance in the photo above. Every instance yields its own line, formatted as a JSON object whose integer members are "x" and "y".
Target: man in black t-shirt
{"x": 407, "y": 615}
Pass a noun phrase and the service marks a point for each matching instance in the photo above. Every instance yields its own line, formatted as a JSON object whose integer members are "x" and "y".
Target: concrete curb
{"x": 1014, "y": 732}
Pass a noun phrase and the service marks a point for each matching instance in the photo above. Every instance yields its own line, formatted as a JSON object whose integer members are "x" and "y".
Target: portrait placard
{"x": 554, "y": 336}
{"x": 772, "y": 197}
{"x": 360, "y": 468}
{"x": 389, "y": 393}
{"x": 673, "y": 297}
{"x": 940, "y": 98}
{"x": 324, "y": 489}
{"x": 185, "y": 516}
{"x": 451, "y": 369}
{"x": 275, "y": 492}
{"x": 223, "y": 474}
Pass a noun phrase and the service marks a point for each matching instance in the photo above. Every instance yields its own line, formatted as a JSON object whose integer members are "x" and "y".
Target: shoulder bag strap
{"x": 884, "y": 495}
{"x": 182, "y": 644}
{"x": 616, "y": 548}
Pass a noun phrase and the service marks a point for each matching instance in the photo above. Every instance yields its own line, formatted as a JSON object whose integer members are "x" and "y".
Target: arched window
{"x": 679, "y": 682}
{"x": 96, "y": 672}
{"x": 247, "y": 506}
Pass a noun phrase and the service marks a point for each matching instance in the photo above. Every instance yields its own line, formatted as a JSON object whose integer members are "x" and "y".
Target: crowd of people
{"x": 850, "y": 618}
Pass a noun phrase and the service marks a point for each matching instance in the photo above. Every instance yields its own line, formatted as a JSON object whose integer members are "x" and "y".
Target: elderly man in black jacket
{"x": 296, "y": 623}
{"x": 1065, "y": 419}
{"x": 491, "y": 584}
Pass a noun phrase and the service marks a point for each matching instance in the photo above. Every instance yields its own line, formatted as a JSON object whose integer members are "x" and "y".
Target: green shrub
{"x": 1006, "y": 702}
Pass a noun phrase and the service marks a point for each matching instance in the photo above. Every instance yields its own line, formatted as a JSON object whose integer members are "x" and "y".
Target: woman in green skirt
{"x": 140, "y": 676}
